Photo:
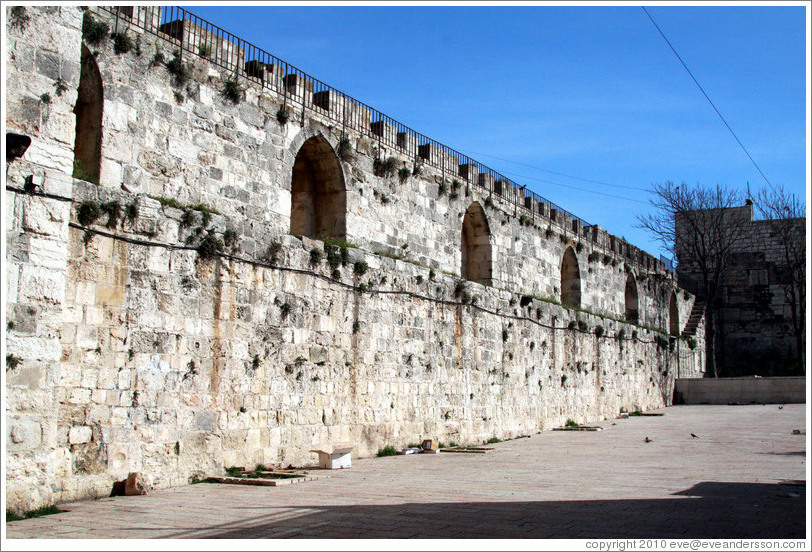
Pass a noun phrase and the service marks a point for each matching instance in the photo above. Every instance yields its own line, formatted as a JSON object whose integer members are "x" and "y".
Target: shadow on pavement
{"x": 709, "y": 510}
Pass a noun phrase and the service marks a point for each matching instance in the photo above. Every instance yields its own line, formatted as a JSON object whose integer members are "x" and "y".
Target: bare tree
{"x": 701, "y": 227}
{"x": 787, "y": 216}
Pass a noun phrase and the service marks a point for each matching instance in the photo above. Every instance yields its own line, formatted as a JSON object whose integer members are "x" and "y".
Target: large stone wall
{"x": 134, "y": 351}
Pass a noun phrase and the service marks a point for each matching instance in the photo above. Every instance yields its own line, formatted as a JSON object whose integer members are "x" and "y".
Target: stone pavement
{"x": 743, "y": 476}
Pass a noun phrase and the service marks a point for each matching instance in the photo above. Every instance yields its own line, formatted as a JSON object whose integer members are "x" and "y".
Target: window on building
{"x": 632, "y": 305}
{"x": 318, "y": 196}
{"x": 570, "y": 279}
{"x": 88, "y": 110}
{"x": 673, "y": 315}
{"x": 476, "y": 262}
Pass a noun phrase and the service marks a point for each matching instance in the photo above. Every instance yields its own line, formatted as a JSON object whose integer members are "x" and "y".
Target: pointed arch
{"x": 570, "y": 279}
{"x": 673, "y": 315}
{"x": 89, "y": 109}
{"x": 476, "y": 260}
{"x": 632, "y": 309}
{"x": 318, "y": 194}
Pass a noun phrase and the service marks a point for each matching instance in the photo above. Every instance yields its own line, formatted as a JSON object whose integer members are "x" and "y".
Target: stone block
{"x": 80, "y": 434}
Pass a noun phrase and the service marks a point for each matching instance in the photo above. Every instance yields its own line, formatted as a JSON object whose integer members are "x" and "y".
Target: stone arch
{"x": 88, "y": 110}
{"x": 673, "y": 315}
{"x": 318, "y": 195}
{"x": 632, "y": 309}
{"x": 475, "y": 247}
{"x": 570, "y": 279}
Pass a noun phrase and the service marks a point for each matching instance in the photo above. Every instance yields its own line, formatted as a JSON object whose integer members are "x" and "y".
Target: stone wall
{"x": 740, "y": 390}
{"x": 137, "y": 345}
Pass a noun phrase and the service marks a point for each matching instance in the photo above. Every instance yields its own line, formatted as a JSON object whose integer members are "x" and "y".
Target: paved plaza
{"x": 742, "y": 476}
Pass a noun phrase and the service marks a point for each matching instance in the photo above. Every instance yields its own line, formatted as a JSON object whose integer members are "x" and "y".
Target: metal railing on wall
{"x": 192, "y": 35}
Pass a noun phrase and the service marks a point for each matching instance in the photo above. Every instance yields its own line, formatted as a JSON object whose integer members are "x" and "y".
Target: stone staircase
{"x": 697, "y": 312}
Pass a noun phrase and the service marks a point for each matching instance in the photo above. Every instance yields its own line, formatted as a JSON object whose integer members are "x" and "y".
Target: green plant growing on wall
{"x": 488, "y": 202}
{"x": 360, "y": 268}
{"x": 12, "y": 361}
{"x": 181, "y": 72}
{"x": 356, "y": 327}
{"x": 113, "y": 211}
{"x": 122, "y": 43}
{"x": 282, "y": 115}
{"x": 230, "y": 239}
{"x": 583, "y": 326}
{"x": 209, "y": 246}
{"x": 418, "y": 167}
{"x": 549, "y": 233}
{"x": 599, "y": 331}
{"x": 442, "y": 189}
{"x": 384, "y": 167}
{"x": 88, "y": 212}
{"x": 344, "y": 149}
{"x": 94, "y": 32}
{"x": 315, "y": 256}
{"x": 45, "y": 98}
{"x": 579, "y": 247}
{"x": 60, "y": 86}
{"x": 594, "y": 257}
{"x": 232, "y": 91}
{"x": 19, "y": 18}
{"x": 606, "y": 259}
{"x": 157, "y": 59}
{"x": 203, "y": 50}
{"x": 403, "y": 174}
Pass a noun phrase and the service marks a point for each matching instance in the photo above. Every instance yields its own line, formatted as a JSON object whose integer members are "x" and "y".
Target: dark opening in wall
{"x": 476, "y": 246}
{"x": 89, "y": 108}
{"x": 632, "y": 304}
{"x": 673, "y": 315}
{"x": 318, "y": 196}
{"x": 570, "y": 279}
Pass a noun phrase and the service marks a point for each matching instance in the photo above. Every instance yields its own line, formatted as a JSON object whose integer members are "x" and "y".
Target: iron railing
{"x": 192, "y": 35}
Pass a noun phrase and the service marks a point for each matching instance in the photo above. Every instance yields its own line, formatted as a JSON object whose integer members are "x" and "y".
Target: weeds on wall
{"x": 45, "y": 98}
{"x": 203, "y": 50}
{"x": 403, "y": 174}
{"x": 157, "y": 59}
{"x": 209, "y": 246}
{"x": 19, "y": 18}
{"x": 12, "y": 361}
{"x": 344, "y": 149}
{"x": 122, "y": 43}
{"x": 283, "y": 115}
{"x": 113, "y": 211}
{"x": 232, "y": 91}
{"x": 88, "y": 212}
{"x": 94, "y": 32}
{"x": 384, "y": 167}
{"x": 60, "y": 86}
{"x": 181, "y": 72}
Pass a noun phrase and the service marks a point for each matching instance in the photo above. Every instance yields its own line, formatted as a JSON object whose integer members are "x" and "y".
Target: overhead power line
{"x": 522, "y": 176}
{"x": 709, "y": 100}
{"x": 560, "y": 174}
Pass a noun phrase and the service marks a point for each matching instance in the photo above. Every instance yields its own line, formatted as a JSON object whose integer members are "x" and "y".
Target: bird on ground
{"x": 694, "y": 436}
{"x": 647, "y": 440}
{"x": 780, "y": 407}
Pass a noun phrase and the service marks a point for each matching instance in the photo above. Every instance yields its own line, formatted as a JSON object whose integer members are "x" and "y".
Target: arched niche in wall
{"x": 318, "y": 196}
{"x": 632, "y": 310}
{"x": 570, "y": 279}
{"x": 89, "y": 108}
{"x": 475, "y": 246}
{"x": 673, "y": 315}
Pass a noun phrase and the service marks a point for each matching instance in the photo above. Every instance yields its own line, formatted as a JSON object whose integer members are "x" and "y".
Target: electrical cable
{"x": 709, "y": 100}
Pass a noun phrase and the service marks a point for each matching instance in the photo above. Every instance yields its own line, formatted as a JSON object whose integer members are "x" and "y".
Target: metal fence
{"x": 194, "y": 36}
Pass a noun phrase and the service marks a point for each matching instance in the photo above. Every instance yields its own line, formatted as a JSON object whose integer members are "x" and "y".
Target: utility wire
{"x": 708, "y": 98}
{"x": 560, "y": 174}
{"x": 506, "y": 173}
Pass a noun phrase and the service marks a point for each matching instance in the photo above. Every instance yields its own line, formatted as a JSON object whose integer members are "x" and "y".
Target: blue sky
{"x": 588, "y": 92}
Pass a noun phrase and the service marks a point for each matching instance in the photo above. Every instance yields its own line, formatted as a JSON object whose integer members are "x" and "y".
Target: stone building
{"x": 755, "y": 321}
{"x": 216, "y": 260}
